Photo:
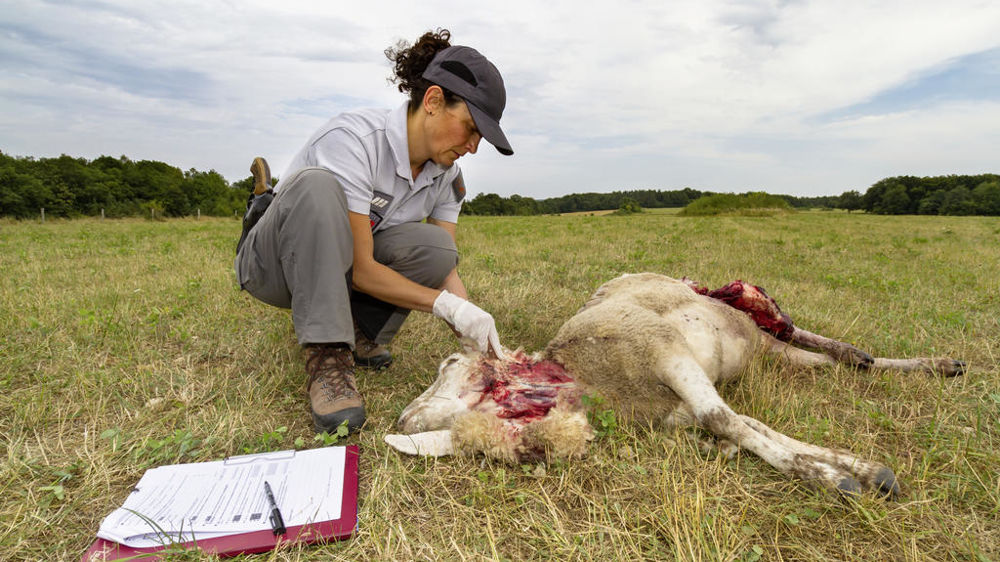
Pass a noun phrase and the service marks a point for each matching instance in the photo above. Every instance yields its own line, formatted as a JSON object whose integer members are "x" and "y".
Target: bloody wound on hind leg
{"x": 766, "y": 313}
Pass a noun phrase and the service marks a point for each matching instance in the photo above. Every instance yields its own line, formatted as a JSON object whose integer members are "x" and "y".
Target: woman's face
{"x": 452, "y": 134}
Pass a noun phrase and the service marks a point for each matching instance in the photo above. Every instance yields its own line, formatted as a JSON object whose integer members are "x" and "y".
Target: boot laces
{"x": 334, "y": 369}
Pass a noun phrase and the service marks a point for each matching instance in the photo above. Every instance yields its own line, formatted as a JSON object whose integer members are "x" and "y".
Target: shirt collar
{"x": 395, "y": 129}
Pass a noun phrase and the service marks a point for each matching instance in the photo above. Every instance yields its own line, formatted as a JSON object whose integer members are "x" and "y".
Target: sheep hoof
{"x": 856, "y": 357}
{"x": 952, "y": 368}
{"x": 888, "y": 488}
{"x": 849, "y": 488}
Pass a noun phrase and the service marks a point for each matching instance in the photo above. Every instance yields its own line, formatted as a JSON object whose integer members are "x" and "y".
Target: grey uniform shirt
{"x": 367, "y": 151}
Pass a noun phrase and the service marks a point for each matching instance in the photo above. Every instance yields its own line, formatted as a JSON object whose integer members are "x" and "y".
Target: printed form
{"x": 185, "y": 502}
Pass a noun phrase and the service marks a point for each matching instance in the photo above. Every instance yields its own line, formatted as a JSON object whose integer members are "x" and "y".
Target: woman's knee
{"x": 317, "y": 187}
{"x": 422, "y": 252}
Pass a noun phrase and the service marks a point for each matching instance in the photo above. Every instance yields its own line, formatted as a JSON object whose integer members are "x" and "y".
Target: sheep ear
{"x": 431, "y": 443}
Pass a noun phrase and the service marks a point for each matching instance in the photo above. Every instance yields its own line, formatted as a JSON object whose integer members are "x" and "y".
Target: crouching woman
{"x": 343, "y": 243}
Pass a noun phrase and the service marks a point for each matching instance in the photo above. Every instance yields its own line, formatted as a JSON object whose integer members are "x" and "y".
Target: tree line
{"x": 938, "y": 195}
{"x": 493, "y": 204}
{"x": 901, "y": 195}
{"x": 118, "y": 187}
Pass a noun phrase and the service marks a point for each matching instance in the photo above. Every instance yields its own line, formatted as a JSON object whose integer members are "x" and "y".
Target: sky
{"x": 793, "y": 97}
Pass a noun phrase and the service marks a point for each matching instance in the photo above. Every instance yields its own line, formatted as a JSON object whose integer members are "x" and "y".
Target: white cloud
{"x": 715, "y": 95}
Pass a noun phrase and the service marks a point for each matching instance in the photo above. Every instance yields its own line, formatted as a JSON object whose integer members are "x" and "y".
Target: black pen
{"x": 277, "y": 523}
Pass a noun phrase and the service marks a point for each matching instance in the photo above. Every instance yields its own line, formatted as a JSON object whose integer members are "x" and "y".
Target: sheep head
{"x": 520, "y": 409}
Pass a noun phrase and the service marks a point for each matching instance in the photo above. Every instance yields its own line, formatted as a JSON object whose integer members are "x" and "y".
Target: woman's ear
{"x": 433, "y": 99}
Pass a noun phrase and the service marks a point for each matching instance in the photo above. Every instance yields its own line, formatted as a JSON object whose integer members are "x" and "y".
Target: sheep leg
{"x": 796, "y": 357}
{"x": 682, "y": 416}
{"x": 841, "y": 351}
{"x": 943, "y": 366}
{"x": 766, "y": 313}
{"x": 871, "y": 475}
{"x": 690, "y": 382}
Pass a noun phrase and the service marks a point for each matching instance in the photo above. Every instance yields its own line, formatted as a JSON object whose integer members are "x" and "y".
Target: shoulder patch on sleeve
{"x": 458, "y": 187}
{"x": 379, "y": 205}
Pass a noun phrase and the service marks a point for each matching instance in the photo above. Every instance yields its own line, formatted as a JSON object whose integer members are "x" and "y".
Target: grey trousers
{"x": 300, "y": 253}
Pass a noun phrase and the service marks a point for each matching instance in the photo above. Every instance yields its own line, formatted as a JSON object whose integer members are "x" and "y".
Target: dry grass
{"x": 127, "y": 343}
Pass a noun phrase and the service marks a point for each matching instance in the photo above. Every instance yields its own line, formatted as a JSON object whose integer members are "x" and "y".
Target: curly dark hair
{"x": 409, "y": 63}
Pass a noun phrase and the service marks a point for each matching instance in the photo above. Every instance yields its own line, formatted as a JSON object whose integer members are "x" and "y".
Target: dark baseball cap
{"x": 465, "y": 72}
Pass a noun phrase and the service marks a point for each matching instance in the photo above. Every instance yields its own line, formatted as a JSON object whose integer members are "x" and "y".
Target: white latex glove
{"x": 477, "y": 327}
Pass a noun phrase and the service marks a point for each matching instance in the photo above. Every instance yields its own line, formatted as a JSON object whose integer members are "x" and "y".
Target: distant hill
{"x": 757, "y": 203}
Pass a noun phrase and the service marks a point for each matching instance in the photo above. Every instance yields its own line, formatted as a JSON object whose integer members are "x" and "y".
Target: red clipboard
{"x": 257, "y": 541}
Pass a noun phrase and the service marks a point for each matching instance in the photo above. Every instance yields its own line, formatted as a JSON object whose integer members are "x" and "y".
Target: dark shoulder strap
{"x": 458, "y": 187}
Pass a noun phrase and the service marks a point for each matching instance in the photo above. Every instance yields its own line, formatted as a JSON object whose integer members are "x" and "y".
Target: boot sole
{"x": 378, "y": 362}
{"x": 261, "y": 173}
{"x": 329, "y": 423}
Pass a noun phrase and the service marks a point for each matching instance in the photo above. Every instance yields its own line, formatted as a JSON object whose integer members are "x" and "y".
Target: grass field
{"x": 126, "y": 344}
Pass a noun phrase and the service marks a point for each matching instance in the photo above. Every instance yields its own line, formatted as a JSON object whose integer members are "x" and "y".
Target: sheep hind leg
{"x": 943, "y": 366}
{"x": 850, "y": 355}
{"x": 842, "y": 352}
{"x": 871, "y": 475}
{"x": 795, "y": 356}
{"x": 687, "y": 379}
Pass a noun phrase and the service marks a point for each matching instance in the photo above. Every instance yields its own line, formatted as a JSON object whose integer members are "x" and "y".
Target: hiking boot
{"x": 368, "y": 353}
{"x": 259, "y": 199}
{"x": 333, "y": 393}
{"x": 261, "y": 175}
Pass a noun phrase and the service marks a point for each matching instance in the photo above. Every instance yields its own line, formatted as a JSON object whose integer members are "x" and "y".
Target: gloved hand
{"x": 476, "y": 326}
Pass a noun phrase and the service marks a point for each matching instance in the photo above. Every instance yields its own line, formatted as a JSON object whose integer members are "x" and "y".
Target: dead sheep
{"x": 653, "y": 348}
